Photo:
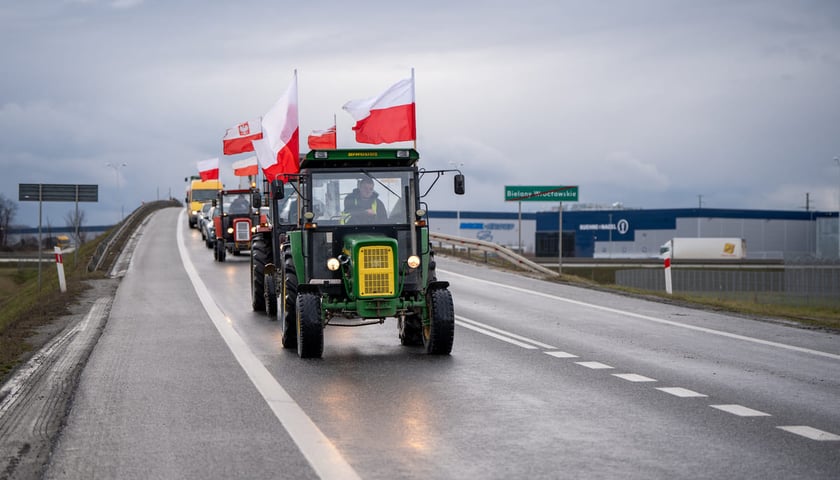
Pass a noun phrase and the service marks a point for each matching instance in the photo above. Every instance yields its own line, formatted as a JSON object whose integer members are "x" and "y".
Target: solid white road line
{"x": 681, "y": 392}
{"x": 811, "y": 433}
{"x": 505, "y": 332}
{"x": 633, "y": 377}
{"x": 734, "y": 336}
{"x": 495, "y": 335}
{"x": 321, "y": 454}
{"x": 740, "y": 410}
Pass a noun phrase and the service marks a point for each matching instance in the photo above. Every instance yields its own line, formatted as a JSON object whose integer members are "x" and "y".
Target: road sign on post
{"x": 541, "y": 194}
{"x": 55, "y": 192}
{"x": 532, "y": 193}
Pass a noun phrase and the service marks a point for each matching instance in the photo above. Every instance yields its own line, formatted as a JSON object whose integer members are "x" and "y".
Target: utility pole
{"x": 837, "y": 161}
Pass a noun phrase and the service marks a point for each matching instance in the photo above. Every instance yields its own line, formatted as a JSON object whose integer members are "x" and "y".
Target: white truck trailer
{"x": 709, "y": 248}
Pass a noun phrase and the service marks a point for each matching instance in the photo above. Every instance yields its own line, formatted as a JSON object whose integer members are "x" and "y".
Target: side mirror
{"x": 277, "y": 192}
{"x": 459, "y": 184}
{"x": 256, "y": 201}
{"x": 215, "y": 202}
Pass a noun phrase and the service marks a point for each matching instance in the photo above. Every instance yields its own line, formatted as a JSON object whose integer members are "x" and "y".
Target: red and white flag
{"x": 238, "y": 139}
{"x": 386, "y": 118}
{"x": 322, "y": 139}
{"x": 280, "y": 135}
{"x": 246, "y": 167}
{"x": 208, "y": 169}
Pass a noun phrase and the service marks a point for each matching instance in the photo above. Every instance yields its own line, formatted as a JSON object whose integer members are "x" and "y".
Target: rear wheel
{"x": 310, "y": 331}
{"x": 411, "y": 330}
{"x": 439, "y": 334}
{"x": 220, "y": 250}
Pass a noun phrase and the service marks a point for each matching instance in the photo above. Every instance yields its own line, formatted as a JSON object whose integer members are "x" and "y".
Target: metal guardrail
{"x": 489, "y": 247}
{"x": 126, "y": 227}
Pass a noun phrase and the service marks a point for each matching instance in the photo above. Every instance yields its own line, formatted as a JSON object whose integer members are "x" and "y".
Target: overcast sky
{"x": 649, "y": 103}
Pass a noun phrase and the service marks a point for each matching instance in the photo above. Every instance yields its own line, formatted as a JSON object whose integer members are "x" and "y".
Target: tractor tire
{"x": 286, "y": 312}
{"x": 215, "y": 251}
{"x": 439, "y": 335}
{"x": 310, "y": 330}
{"x": 270, "y": 298}
{"x": 260, "y": 257}
{"x": 220, "y": 250}
{"x": 411, "y": 330}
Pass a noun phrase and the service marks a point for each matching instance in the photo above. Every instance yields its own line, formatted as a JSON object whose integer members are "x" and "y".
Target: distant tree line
{"x": 8, "y": 208}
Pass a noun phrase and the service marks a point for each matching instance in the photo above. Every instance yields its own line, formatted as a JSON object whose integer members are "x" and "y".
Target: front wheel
{"x": 287, "y": 302}
{"x": 310, "y": 330}
{"x": 220, "y": 250}
{"x": 439, "y": 334}
{"x": 260, "y": 257}
{"x": 270, "y": 304}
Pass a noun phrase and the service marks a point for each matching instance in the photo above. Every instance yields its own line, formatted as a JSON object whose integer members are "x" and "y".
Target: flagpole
{"x": 335, "y": 125}
{"x": 415, "y": 107}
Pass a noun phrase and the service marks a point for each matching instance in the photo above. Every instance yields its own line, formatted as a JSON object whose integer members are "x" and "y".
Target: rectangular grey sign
{"x": 53, "y": 192}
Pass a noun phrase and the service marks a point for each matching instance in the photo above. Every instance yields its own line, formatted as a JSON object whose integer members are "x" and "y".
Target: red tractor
{"x": 232, "y": 220}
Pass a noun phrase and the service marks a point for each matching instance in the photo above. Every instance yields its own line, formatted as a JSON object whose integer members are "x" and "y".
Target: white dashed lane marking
{"x": 594, "y": 365}
{"x": 681, "y": 392}
{"x": 633, "y": 377}
{"x": 811, "y": 433}
{"x": 740, "y": 410}
{"x": 561, "y": 354}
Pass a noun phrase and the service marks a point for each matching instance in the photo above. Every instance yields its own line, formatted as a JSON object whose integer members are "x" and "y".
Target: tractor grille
{"x": 242, "y": 230}
{"x": 376, "y": 271}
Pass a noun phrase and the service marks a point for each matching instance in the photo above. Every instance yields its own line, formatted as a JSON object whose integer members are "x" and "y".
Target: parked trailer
{"x": 709, "y": 248}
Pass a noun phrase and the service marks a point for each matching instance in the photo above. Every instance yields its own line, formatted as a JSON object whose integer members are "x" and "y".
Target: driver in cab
{"x": 363, "y": 205}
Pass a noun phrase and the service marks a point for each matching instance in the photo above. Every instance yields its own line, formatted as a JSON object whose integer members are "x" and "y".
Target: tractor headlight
{"x": 230, "y": 230}
{"x": 333, "y": 264}
{"x": 413, "y": 261}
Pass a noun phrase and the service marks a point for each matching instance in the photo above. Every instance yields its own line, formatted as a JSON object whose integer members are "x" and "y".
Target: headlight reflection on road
{"x": 411, "y": 433}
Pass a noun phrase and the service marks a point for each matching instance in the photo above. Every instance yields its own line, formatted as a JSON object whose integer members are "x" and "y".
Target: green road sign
{"x": 541, "y": 194}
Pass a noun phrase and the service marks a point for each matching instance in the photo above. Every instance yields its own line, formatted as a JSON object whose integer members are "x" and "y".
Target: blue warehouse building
{"x": 631, "y": 233}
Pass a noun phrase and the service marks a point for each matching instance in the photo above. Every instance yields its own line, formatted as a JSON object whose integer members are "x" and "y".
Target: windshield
{"x": 236, "y": 203}
{"x": 357, "y": 198}
{"x": 203, "y": 195}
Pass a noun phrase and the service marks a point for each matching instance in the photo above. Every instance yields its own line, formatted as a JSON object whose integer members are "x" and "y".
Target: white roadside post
{"x": 59, "y": 264}
{"x": 668, "y": 288}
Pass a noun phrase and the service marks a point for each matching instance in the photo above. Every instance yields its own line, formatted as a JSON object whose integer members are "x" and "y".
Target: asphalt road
{"x": 544, "y": 381}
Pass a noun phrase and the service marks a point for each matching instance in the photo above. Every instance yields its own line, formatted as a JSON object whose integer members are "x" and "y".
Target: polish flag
{"x": 246, "y": 167}
{"x": 208, "y": 169}
{"x": 386, "y": 118}
{"x": 238, "y": 139}
{"x": 322, "y": 139}
{"x": 280, "y": 135}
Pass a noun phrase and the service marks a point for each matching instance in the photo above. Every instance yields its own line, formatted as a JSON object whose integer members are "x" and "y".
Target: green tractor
{"x": 348, "y": 245}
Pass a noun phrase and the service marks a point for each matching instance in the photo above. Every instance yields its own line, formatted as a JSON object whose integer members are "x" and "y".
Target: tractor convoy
{"x": 344, "y": 242}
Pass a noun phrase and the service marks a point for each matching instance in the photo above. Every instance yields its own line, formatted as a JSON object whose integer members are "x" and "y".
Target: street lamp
{"x": 117, "y": 175}
{"x": 457, "y": 209}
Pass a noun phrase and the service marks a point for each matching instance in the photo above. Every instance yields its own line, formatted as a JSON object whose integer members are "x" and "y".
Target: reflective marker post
{"x": 59, "y": 264}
